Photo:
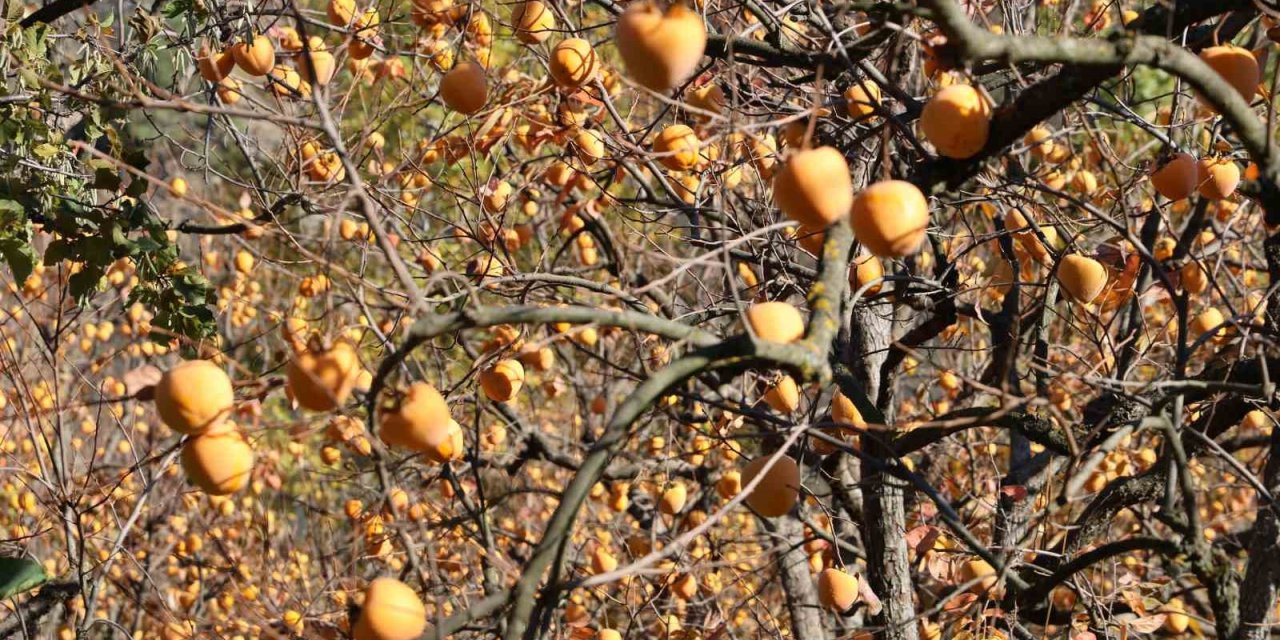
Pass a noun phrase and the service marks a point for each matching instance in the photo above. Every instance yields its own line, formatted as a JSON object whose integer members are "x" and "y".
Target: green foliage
{"x": 92, "y": 203}
{"x": 20, "y": 575}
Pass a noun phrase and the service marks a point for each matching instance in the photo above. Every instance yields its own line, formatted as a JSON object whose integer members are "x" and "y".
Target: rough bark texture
{"x": 797, "y": 582}
{"x": 1262, "y": 573}
{"x": 884, "y": 517}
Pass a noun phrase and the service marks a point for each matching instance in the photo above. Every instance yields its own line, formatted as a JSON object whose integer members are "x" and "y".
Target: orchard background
{"x": 595, "y": 319}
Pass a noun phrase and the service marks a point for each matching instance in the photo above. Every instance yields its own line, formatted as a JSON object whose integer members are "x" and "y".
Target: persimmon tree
{"x": 875, "y": 319}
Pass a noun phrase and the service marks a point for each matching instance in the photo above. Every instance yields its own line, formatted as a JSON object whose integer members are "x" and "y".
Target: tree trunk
{"x": 1262, "y": 573}
{"x": 884, "y": 523}
{"x": 797, "y": 583}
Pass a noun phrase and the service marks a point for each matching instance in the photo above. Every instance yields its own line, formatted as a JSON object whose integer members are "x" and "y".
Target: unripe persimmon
{"x": 1082, "y": 278}
{"x": 391, "y": 611}
{"x": 814, "y": 187}
{"x": 194, "y": 396}
{"x": 660, "y": 50}
{"x": 775, "y": 322}
{"x": 533, "y": 21}
{"x": 890, "y": 218}
{"x": 1217, "y": 178}
{"x": 1237, "y": 66}
{"x": 778, "y": 491}
{"x": 219, "y": 461}
{"x": 573, "y": 63}
{"x": 465, "y": 89}
{"x": 677, "y": 146}
{"x": 256, "y": 57}
{"x": 502, "y": 381}
{"x": 957, "y": 121}
{"x": 323, "y": 380}
{"x": 837, "y": 590}
{"x": 1177, "y": 178}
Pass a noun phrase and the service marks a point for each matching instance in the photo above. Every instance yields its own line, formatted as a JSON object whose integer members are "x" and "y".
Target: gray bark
{"x": 797, "y": 582}
{"x": 884, "y": 522}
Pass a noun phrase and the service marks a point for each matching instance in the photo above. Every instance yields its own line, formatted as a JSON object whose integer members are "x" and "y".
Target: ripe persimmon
{"x": 256, "y": 57}
{"x": 194, "y": 396}
{"x": 1082, "y": 278}
{"x": 957, "y": 121}
{"x": 502, "y": 381}
{"x": 837, "y": 590}
{"x": 660, "y": 50}
{"x": 573, "y": 63}
{"x": 1177, "y": 178}
{"x": 775, "y": 322}
{"x": 890, "y": 218}
{"x": 814, "y": 187}
{"x": 778, "y": 491}
{"x": 464, "y": 88}
{"x": 219, "y": 461}
{"x": 391, "y": 611}
{"x": 322, "y": 380}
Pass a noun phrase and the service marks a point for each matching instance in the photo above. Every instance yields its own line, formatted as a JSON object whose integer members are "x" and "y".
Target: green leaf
{"x": 45, "y": 151}
{"x": 19, "y": 575}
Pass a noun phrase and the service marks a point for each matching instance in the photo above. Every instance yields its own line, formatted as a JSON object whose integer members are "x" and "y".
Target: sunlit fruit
{"x": 194, "y": 396}
{"x": 318, "y": 67}
{"x": 465, "y": 89}
{"x": 214, "y": 65}
{"x": 573, "y": 63}
{"x": 837, "y": 590}
{"x": 783, "y": 396}
{"x": 502, "y": 381}
{"x": 256, "y": 57}
{"x": 677, "y": 147}
{"x": 862, "y": 98}
{"x": 1177, "y": 178}
{"x": 660, "y": 50}
{"x": 1082, "y": 278}
{"x": 1039, "y": 141}
{"x": 1176, "y": 620}
{"x": 957, "y": 121}
{"x": 420, "y": 420}
{"x": 673, "y": 499}
{"x": 219, "y": 461}
{"x": 322, "y": 380}
{"x": 890, "y": 218}
{"x": 1217, "y": 178}
{"x": 1206, "y": 321}
{"x": 978, "y": 574}
{"x": 779, "y": 489}
{"x": 391, "y": 611}
{"x": 775, "y": 322}
{"x": 1237, "y": 66}
{"x": 865, "y": 275}
{"x": 533, "y": 21}
{"x": 814, "y": 187}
